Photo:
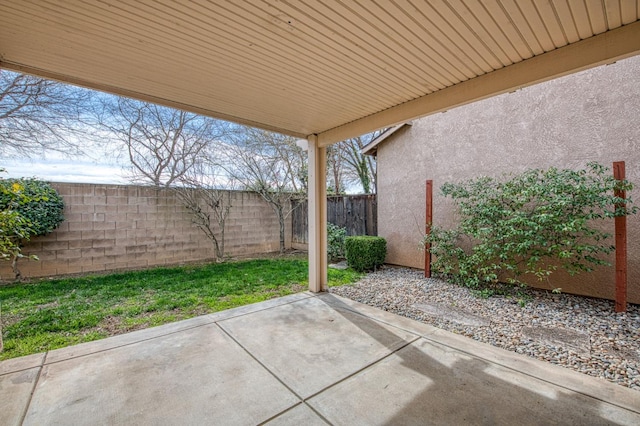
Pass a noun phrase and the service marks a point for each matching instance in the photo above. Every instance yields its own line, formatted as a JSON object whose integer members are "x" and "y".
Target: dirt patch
{"x": 53, "y": 304}
{"x": 570, "y": 339}
{"x": 453, "y": 314}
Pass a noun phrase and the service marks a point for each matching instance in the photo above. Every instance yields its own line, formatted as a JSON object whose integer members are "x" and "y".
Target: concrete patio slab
{"x": 310, "y": 346}
{"x": 15, "y": 391}
{"x": 303, "y": 359}
{"x": 182, "y": 378}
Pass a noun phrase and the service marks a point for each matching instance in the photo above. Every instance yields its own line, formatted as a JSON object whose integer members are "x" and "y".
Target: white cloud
{"x": 64, "y": 170}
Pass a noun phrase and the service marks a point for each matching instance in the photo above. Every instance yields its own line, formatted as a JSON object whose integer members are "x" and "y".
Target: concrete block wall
{"x": 116, "y": 227}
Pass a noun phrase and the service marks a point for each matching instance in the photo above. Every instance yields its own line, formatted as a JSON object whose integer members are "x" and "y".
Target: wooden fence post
{"x": 428, "y": 222}
{"x": 620, "y": 223}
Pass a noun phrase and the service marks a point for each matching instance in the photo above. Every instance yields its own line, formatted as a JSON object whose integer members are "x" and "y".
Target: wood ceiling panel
{"x": 581, "y": 18}
{"x": 354, "y": 68}
{"x": 613, "y": 13}
{"x": 491, "y": 30}
{"x": 629, "y": 11}
{"x": 530, "y": 11}
{"x": 482, "y": 32}
{"x": 507, "y": 25}
{"x": 567, "y": 19}
{"x": 513, "y": 9}
{"x": 457, "y": 30}
{"x": 551, "y": 23}
{"x": 596, "y": 16}
{"x": 426, "y": 39}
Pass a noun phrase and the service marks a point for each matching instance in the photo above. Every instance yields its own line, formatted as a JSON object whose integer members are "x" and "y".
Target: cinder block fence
{"x": 114, "y": 227}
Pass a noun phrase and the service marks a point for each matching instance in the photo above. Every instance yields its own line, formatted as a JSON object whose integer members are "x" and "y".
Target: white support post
{"x": 317, "y": 216}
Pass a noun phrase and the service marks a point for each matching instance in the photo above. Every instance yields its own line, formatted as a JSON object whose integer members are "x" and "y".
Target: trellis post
{"x": 428, "y": 222}
{"x": 620, "y": 223}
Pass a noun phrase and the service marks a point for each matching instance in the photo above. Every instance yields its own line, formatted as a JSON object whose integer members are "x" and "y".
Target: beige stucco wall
{"x": 115, "y": 227}
{"x": 590, "y": 116}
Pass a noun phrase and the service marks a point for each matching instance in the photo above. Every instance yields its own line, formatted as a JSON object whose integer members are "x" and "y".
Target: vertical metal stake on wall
{"x": 428, "y": 222}
{"x": 620, "y": 223}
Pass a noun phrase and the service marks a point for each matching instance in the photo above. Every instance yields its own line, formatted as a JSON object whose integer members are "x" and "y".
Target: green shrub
{"x": 36, "y": 201}
{"x": 532, "y": 223}
{"x": 335, "y": 241}
{"x": 28, "y": 208}
{"x": 365, "y": 253}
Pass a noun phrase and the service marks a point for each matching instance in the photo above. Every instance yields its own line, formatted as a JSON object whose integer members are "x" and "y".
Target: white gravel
{"x": 580, "y": 333}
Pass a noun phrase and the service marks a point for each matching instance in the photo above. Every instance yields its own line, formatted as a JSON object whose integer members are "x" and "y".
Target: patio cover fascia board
{"x": 600, "y": 49}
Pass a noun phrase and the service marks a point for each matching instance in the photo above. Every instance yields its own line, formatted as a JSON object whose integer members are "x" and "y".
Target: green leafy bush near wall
{"x": 28, "y": 208}
{"x": 365, "y": 253}
{"x": 335, "y": 241}
{"x": 531, "y": 223}
{"x": 35, "y": 200}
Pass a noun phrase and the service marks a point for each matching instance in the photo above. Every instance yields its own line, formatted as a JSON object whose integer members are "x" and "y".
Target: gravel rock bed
{"x": 576, "y": 332}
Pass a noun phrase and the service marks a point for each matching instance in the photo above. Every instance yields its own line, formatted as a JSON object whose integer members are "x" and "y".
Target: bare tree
{"x": 162, "y": 144}
{"x": 207, "y": 204}
{"x": 360, "y": 168}
{"x": 173, "y": 149}
{"x": 38, "y": 115}
{"x": 336, "y": 169}
{"x": 269, "y": 164}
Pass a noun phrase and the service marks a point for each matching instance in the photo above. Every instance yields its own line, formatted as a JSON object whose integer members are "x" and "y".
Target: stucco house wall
{"x": 590, "y": 116}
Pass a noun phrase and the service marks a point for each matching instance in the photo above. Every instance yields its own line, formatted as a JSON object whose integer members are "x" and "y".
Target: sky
{"x": 98, "y": 164}
{"x": 80, "y": 170}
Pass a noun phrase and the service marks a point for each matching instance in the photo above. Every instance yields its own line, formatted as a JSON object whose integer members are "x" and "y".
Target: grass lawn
{"x": 50, "y": 314}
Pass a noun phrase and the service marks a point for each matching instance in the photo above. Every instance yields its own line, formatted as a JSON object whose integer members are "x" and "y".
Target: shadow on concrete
{"x": 459, "y": 388}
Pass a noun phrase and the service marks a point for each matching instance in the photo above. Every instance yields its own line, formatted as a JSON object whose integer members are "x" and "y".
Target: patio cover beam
{"x": 601, "y": 49}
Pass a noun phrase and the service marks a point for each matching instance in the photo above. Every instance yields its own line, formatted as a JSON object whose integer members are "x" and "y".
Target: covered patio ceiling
{"x": 334, "y": 69}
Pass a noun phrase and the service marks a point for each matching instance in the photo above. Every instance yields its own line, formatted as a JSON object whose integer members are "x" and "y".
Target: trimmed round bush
{"x": 365, "y": 253}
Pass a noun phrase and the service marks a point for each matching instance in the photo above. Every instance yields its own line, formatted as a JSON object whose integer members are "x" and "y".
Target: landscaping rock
{"x": 580, "y": 333}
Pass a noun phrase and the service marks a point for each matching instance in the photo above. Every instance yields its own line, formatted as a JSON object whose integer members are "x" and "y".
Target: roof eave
{"x": 372, "y": 147}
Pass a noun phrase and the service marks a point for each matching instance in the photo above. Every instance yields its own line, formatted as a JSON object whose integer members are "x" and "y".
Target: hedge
{"x": 365, "y": 253}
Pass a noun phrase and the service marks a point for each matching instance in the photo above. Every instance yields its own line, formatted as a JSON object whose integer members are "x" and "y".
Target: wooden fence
{"x": 357, "y": 213}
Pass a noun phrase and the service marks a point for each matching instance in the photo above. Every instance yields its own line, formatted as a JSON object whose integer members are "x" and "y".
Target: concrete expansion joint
{"x": 260, "y": 362}
{"x": 293, "y": 407}
{"x": 304, "y": 401}
{"x": 33, "y": 388}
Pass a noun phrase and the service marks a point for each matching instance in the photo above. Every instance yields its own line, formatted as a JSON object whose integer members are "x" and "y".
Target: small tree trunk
{"x": 221, "y": 251}
{"x": 14, "y": 265}
{"x": 281, "y": 220}
{"x": 1, "y": 342}
{"x": 216, "y": 247}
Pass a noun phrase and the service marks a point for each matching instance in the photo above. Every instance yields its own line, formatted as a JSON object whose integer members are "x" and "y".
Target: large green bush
{"x": 532, "y": 223}
{"x": 28, "y": 208}
{"x": 36, "y": 201}
{"x": 365, "y": 253}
